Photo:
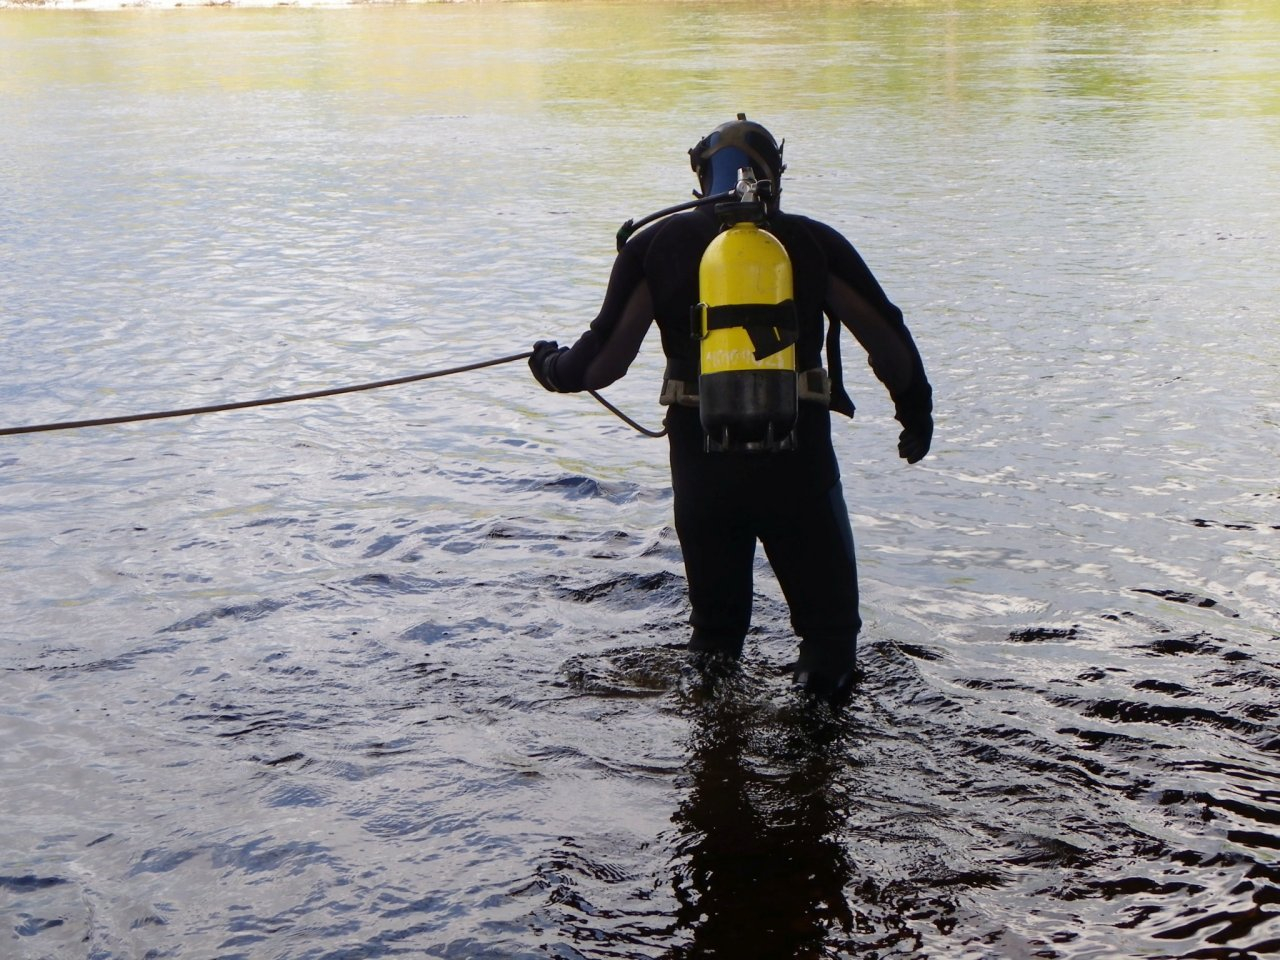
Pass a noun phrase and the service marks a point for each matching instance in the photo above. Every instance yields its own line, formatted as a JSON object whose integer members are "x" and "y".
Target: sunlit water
{"x": 399, "y": 673}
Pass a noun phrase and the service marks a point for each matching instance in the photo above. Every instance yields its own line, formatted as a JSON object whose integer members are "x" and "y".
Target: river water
{"x": 399, "y": 673}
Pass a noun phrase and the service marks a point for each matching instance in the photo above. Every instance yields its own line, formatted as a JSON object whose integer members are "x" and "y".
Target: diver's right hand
{"x": 543, "y": 361}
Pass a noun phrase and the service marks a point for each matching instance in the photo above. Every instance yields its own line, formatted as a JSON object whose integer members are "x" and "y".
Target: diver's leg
{"x": 716, "y": 540}
{"x": 719, "y": 557}
{"x": 810, "y": 546}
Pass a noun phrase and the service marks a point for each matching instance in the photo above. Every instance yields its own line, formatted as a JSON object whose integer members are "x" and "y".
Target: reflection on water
{"x": 763, "y": 868}
{"x": 401, "y": 673}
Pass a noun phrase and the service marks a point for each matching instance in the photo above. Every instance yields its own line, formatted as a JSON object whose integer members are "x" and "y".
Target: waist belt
{"x": 813, "y": 386}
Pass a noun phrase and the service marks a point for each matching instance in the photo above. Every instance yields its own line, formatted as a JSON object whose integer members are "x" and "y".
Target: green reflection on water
{"x": 651, "y": 57}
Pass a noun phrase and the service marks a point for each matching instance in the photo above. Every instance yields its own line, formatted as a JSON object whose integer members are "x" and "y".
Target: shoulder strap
{"x": 840, "y": 401}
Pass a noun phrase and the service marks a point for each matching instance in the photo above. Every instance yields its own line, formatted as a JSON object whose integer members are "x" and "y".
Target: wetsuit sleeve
{"x": 854, "y": 298}
{"x": 604, "y": 352}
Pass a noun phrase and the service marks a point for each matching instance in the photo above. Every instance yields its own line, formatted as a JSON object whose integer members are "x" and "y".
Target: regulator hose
{"x": 631, "y": 226}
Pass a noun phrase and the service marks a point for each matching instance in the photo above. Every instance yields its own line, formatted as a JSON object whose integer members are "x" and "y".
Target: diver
{"x": 749, "y": 420}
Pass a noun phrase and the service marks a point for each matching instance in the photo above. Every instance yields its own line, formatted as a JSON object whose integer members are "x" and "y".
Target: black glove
{"x": 542, "y": 363}
{"x": 913, "y": 442}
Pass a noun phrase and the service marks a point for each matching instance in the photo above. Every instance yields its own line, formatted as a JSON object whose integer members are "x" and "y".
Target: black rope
{"x": 627, "y": 420}
{"x": 267, "y": 401}
{"x": 312, "y": 395}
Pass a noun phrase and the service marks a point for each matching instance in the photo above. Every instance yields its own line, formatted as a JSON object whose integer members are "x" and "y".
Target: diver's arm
{"x": 890, "y": 349}
{"x": 605, "y": 351}
{"x": 854, "y": 297}
{"x": 627, "y": 332}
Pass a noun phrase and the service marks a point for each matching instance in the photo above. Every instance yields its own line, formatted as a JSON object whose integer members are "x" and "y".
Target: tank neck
{"x": 748, "y": 214}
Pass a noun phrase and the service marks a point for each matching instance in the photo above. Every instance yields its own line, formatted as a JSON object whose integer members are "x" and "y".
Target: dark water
{"x": 400, "y": 673}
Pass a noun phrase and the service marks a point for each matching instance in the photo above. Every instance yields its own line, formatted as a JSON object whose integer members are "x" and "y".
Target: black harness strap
{"x": 840, "y": 400}
{"x": 771, "y": 326}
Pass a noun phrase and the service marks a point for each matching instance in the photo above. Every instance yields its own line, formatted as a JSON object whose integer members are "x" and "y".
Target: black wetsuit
{"x": 791, "y": 501}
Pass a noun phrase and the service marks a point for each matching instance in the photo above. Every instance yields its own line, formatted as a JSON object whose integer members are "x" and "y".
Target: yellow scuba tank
{"x": 747, "y": 324}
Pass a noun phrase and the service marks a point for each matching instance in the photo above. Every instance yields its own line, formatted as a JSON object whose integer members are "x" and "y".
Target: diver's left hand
{"x": 915, "y": 439}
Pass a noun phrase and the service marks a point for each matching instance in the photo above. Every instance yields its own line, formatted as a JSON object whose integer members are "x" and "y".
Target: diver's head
{"x": 718, "y": 156}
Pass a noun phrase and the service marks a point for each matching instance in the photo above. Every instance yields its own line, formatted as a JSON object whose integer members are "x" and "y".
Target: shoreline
{"x": 99, "y": 6}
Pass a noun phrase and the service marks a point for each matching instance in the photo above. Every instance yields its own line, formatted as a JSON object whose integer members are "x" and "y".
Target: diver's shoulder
{"x": 801, "y": 221}
{"x": 797, "y": 225}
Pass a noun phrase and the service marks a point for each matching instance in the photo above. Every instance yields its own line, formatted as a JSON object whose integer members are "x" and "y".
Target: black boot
{"x": 711, "y": 641}
{"x": 827, "y": 668}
